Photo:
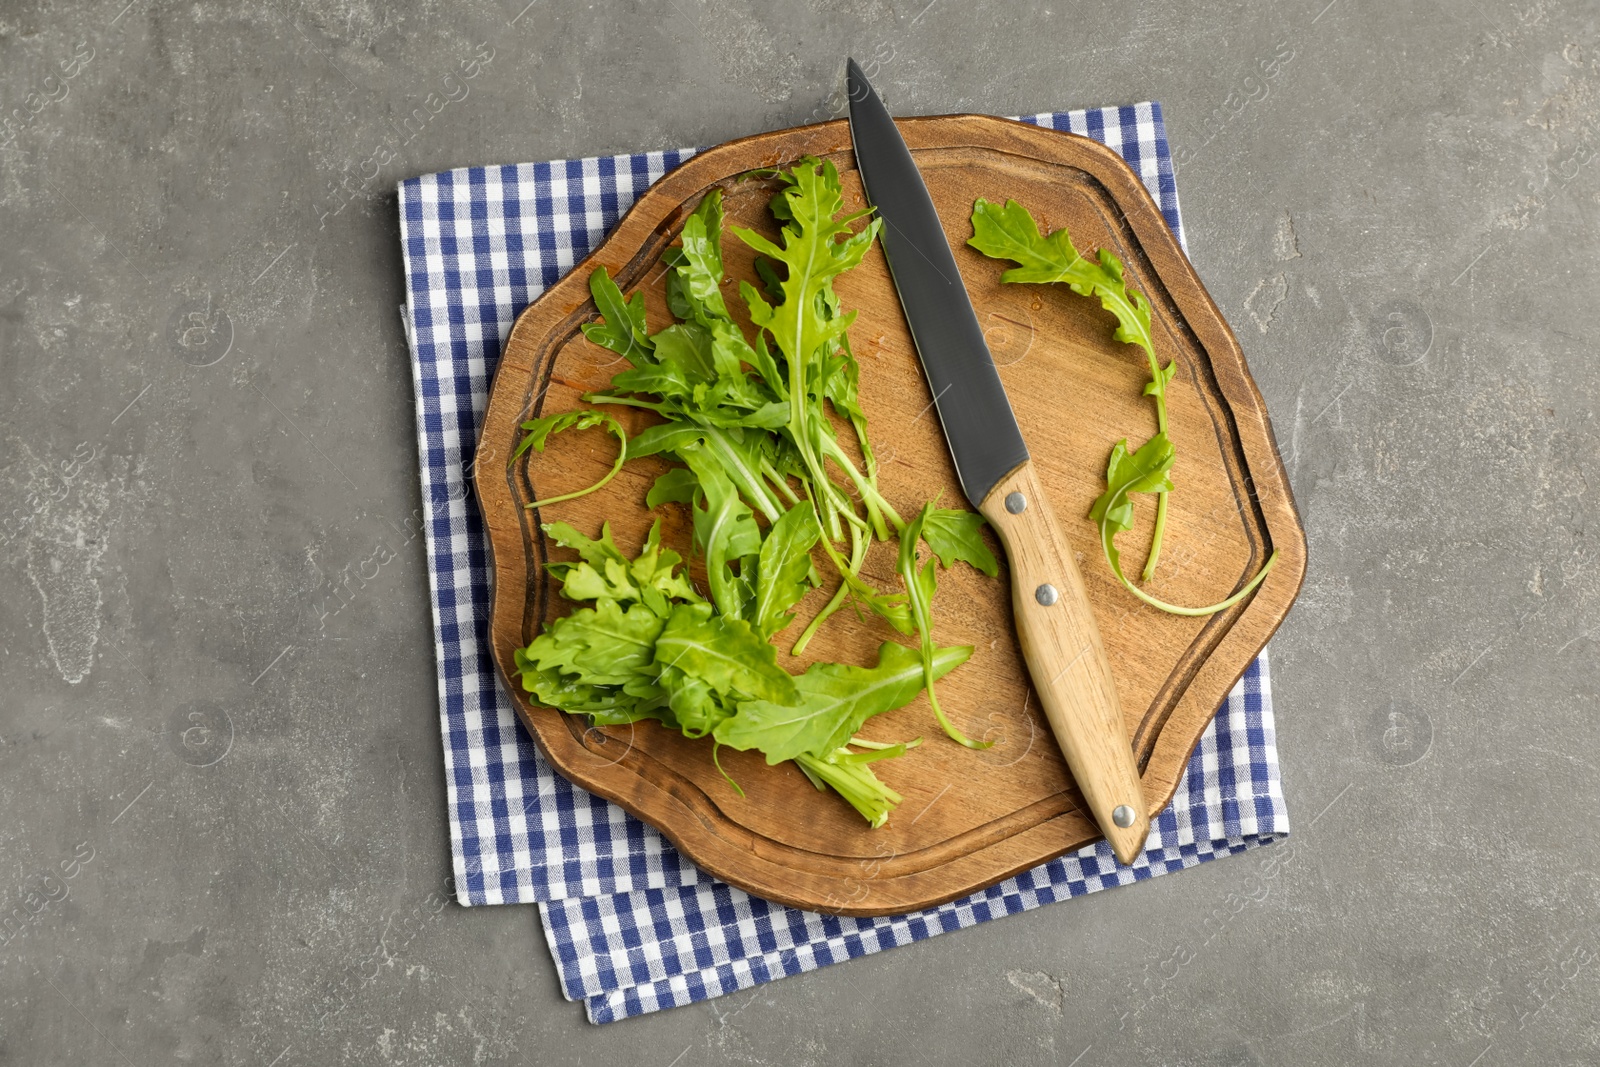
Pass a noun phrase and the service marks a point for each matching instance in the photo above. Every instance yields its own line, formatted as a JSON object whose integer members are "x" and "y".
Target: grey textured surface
{"x": 1400, "y": 226}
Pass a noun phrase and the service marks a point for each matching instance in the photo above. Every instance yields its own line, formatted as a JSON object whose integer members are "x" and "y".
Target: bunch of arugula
{"x": 1010, "y": 233}
{"x": 767, "y": 480}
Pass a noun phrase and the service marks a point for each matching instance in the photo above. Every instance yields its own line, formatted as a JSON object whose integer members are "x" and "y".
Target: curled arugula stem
{"x": 925, "y": 636}
{"x": 541, "y": 430}
{"x": 1108, "y": 532}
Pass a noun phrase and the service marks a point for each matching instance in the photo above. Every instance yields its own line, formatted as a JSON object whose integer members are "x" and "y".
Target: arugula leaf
{"x": 540, "y": 430}
{"x": 622, "y": 325}
{"x": 724, "y": 527}
{"x": 603, "y": 572}
{"x": 1146, "y": 471}
{"x": 1009, "y": 232}
{"x": 817, "y": 247}
{"x": 701, "y": 271}
{"x": 835, "y": 699}
{"x": 593, "y": 551}
{"x": 555, "y": 690}
{"x": 665, "y": 438}
{"x": 603, "y": 645}
{"x": 695, "y": 705}
{"x": 678, "y": 486}
{"x": 957, "y": 535}
{"x": 685, "y": 347}
{"x": 725, "y": 653}
{"x": 784, "y": 572}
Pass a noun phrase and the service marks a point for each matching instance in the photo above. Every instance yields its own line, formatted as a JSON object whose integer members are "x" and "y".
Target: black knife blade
{"x": 972, "y": 405}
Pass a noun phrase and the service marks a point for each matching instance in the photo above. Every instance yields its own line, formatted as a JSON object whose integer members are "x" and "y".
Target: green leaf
{"x": 835, "y": 700}
{"x": 687, "y": 347}
{"x": 726, "y": 654}
{"x": 678, "y": 485}
{"x": 622, "y": 328}
{"x": 656, "y": 569}
{"x": 667, "y": 380}
{"x": 695, "y": 705}
{"x": 1010, "y": 233}
{"x": 958, "y": 535}
{"x": 663, "y": 438}
{"x": 603, "y": 645}
{"x": 784, "y": 573}
{"x": 769, "y": 272}
{"x": 603, "y": 572}
{"x": 541, "y": 429}
{"x": 1157, "y": 386}
{"x": 724, "y": 527}
{"x": 844, "y": 392}
{"x": 1146, "y": 471}
{"x": 817, "y": 247}
{"x": 590, "y": 550}
{"x": 701, "y": 271}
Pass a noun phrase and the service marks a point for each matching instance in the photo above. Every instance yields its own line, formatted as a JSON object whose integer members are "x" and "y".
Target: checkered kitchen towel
{"x": 632, "y": 924}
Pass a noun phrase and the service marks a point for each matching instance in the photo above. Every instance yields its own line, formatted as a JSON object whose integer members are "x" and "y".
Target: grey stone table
{"x": 206, "y": 414}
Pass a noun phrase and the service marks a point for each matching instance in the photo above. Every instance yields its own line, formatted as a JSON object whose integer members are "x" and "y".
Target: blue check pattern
{"x": 633, "y": 926}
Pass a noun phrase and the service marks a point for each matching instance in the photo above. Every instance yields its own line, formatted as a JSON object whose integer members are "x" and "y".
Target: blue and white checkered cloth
{"x": 632, "y": 925}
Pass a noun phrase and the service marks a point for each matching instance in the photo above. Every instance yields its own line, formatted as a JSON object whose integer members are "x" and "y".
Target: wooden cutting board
{"x": 969, "y": 818}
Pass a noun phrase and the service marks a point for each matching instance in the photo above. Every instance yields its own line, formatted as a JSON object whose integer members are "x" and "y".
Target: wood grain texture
{"x": 1066, "y": 659}
{"x": 969, "y": 818}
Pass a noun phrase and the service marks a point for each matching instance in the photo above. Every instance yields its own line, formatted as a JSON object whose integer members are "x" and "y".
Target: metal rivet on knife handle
{"x": 1122, "y": 816}
{"x": 1046, "y": 594}
{"x": 1016, "y": 503}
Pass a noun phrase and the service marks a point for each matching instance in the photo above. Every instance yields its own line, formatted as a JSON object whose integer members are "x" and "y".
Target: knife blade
{"x": 1055, "y": 624}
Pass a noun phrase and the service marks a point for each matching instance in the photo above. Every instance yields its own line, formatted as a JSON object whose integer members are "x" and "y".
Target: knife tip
{"x": 856, "y": 85}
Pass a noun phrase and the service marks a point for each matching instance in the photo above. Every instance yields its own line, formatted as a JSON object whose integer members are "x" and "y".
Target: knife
{"x": 1055, "y": 626}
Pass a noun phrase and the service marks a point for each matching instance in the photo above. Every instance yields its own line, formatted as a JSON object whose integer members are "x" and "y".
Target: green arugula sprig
{"x": 1010, "y": 233}
{"x": 651, "y": 648}
{"x": 540, "y": 431}
{"x": 767, "y": 480}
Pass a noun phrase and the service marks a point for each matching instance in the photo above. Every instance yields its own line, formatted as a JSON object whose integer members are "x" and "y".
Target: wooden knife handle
{"x": 1066, "y": 659}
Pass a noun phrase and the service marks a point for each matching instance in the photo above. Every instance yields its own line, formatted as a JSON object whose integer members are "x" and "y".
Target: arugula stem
{"x": 922, "y": 612}
{"x": 1114, "y": 559}
{"x": 1158, "y": 391}
{"x": 858, "y": 554}
{"x": 869, "y": 491}
{"x": 630, "y": 402}
{"x": 615, "y": 428}
{"x": 747, "y": 480}
{"x": 1155, "y": 538}
{"x": 779, "y": 482}
{"x": 856, "y": 783}
{"x": 878, "y": 746}
{"x": 832, "y": 606}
